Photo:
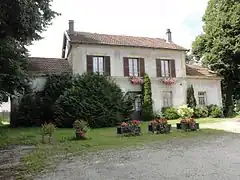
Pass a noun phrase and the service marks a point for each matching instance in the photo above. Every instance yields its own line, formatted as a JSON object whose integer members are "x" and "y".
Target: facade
{"x": 122, "y": 57}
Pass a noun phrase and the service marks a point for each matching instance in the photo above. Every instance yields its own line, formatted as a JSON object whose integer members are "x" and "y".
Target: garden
{"x": 75, "y": 115}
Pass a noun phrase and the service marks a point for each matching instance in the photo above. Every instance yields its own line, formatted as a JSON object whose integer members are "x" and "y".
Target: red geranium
{"x": 136, "y": 80}
{"x": 169, "y": 81}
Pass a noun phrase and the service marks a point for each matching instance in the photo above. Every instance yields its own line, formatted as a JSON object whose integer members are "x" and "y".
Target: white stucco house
{"x": 123, "y": 56}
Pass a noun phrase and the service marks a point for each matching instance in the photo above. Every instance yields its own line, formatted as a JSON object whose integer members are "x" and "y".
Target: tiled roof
{"x": 195, "y": 70}
{"x": 120, "y": 40}
{"x": 39, "y": 65}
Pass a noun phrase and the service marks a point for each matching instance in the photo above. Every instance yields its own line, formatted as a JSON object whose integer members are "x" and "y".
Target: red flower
{"x": 136, "y": 80}
{"x": 136, "y": 122}
{"x": 169, "y": 81}
{"x": 124, "y": 124}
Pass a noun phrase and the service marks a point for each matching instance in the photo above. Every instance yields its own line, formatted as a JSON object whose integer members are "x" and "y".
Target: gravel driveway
{"x": 201, "y": 159}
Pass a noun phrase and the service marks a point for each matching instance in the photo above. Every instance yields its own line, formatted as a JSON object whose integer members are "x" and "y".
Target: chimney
{"x": 71, "y": 26}
{"x": 169, "y": 35}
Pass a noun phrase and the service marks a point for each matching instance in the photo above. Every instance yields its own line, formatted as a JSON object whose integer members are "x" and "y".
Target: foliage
{"x": 185, "y": 112}
{"x": 130, "y": 128}
{"x": 170, "y": 113}
{"x": 80, "y": 125}
{"x": 55, "y": 86}
{"x": 47, "y": 129}
{"x": 21, "y": 23}
{"x": 29, "y": 111}
{"x": 216, "y": 112}
{"x": 147, "y": 99}
{"x": 95, "y": 98}
{"x": 200, "y": 111}
{"x": 191, "y": 101}
{"x": 219, "y": 45}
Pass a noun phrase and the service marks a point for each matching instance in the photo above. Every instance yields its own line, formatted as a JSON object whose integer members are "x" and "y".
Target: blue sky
{"x": 126, "y": 17}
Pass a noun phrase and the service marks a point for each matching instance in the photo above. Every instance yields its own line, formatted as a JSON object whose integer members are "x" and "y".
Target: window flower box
{"x": 188, "y": 124}
{"x": 130, "y": 128}
{"x": 159, "y": 126}
{"x": 168, "y": 81}
{"x": 135, "y": 80}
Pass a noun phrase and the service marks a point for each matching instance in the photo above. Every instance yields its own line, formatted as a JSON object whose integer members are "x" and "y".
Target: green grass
{"x": 63, "y": 146}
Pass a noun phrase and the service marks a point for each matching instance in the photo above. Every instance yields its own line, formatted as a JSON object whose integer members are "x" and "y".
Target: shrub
{"x": 185, "y": 112}
{"x": 216, "y": 112}
{"x": 211, "y": 107}
{"x": 47, "y": 130}
{"x": 200, "y": 111}
{"x": 95, "y": 98}
{"x": 191, "y": 101}
{"x": 170, "y": 113}
{"x": 147, "y": 99}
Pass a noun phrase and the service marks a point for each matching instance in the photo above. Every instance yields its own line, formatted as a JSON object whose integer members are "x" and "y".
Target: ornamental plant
{"x": 185, "y": 112}
{"x": 147, "y": 99}
{"x": 135, "y": 80}
{"x": 47, "y": 129}
{"x": 169, "y": 81}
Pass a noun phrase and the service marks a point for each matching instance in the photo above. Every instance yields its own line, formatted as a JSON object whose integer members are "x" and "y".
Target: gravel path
{"x": 211, "y": 158}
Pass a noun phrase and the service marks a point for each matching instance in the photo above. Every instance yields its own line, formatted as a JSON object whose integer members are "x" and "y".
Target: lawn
{"x": 64, "y": 146}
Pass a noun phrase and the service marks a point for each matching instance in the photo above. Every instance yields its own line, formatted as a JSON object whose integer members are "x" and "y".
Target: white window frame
{"x": 167, "y": 97}
{"x": 98, "y": 64}
{"x": 133, "y": 67}
{"x": 202, "y": 98}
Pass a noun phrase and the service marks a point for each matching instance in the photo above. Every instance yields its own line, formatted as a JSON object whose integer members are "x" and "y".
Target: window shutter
{"x": 173, "y": 69}
{"x": 89, "y": 64}
{"x": 126, "y": 66}
{"x": 107, "y": 64}
{"x": 158, "y": 67}
{"x": 142, "y": 67}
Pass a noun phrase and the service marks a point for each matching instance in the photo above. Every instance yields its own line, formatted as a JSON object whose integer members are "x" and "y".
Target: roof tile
{"x": 120, "y": 40}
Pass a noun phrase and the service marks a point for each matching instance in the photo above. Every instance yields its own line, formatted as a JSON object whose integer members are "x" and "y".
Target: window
{"x": 138, "y": 103}
{"x": 202, "y": 98}
{"x": 133, "y": 66}
{"x": 98, "y": 65}
{"x": 167, "y": 98}
{"x": 165, "y": 68}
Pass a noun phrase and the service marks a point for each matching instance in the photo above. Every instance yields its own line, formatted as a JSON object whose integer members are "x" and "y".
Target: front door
{"x": 137, "y": 114}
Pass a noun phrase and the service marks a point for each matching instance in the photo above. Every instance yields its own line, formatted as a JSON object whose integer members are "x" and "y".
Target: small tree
{"x": 191, "y": 101}
{"x": 147, "y": 99}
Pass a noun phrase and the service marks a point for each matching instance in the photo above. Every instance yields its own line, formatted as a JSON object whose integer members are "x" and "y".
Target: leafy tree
{"x": 21, "y": 23}
{"x": 219, "y": 45}
{"x": 147, "y": 99}
{"x": 191, "y": 101}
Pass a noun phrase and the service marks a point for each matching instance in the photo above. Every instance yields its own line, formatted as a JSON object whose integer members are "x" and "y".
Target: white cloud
{"x": 140, "y": 18}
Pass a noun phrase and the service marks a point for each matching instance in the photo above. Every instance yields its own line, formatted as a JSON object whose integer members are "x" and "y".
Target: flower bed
{"x": 159, "y": 126}
{"x": 135, "y": 80}
{"x": 130, "y": 128}
{"x": 188, "y": 124}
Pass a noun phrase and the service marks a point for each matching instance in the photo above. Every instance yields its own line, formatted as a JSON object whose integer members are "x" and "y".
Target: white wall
{"x": 79, "y": 53}
{"x": 212, "y": 87}
{"x": 78, "y": 58}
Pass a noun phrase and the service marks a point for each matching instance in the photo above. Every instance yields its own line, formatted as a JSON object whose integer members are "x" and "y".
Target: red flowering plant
{"x": 188, "y": 121}
{"x": 168, "y": 81}
{"x": 130, "y": 128}
{"x": 135, "y": 80}
{"x": 159, "y": 125}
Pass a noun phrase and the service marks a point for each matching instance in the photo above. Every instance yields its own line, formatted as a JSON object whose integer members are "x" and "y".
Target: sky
{"x": 149, "y": 18}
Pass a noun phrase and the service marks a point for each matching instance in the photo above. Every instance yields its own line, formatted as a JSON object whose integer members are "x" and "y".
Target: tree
{"x": 21, "y": 23}
{"x": 191, "y": 101}
{"x": 147, "y": 99}
{"x": 219, "y": 45}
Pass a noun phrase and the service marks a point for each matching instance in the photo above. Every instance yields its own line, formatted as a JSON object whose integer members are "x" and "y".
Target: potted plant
{"x": 159, "y": 126}
{"x": 47, "y": 129}
{"x": 135, "y": 80}
{"x": 129, "y": 128}
{"x": 81, "y": 127}
{"x": 169, "y": 81}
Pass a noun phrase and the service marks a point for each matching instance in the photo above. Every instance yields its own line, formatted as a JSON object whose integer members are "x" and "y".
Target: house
{"x": 122, "y": 57}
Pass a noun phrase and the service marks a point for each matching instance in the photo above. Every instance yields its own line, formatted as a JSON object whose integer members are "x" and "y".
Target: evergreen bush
{"x": 147, "y": 107}
{"x": 191, "y": 101}
{"x": 95, "y": 98}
